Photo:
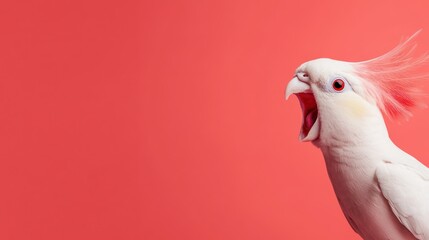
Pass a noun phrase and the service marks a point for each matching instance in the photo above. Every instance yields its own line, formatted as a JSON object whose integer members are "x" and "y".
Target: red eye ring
{"x": 338, "y": 84}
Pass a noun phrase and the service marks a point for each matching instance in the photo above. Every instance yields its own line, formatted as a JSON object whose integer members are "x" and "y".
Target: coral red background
{"x": 166, "y": 119}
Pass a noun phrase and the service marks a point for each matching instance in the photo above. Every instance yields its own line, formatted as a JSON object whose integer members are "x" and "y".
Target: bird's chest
{"x": 361, "y": 200}
{"x": 355, "y": 188}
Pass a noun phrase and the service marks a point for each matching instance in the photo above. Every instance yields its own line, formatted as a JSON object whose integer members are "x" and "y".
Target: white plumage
{"x": 383, "y": 191}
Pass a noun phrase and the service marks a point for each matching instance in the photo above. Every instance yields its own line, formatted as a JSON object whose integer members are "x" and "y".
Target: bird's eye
{"x": 338, "y": 84}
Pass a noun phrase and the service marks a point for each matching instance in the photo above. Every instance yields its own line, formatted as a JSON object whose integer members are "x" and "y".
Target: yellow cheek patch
{"x": 356, "y": 105}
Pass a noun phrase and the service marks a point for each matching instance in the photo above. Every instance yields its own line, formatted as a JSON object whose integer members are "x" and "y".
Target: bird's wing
{"x": 406, "y": 188}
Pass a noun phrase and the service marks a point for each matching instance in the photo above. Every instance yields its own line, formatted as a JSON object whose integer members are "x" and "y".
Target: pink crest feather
{"x": 391, "y": 78}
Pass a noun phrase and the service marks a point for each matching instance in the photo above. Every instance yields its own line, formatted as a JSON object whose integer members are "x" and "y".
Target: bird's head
{"x": 339, "y": 97}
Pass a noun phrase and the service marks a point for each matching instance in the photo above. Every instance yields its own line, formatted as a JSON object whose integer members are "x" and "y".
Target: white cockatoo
{"x": 382, "y": 190}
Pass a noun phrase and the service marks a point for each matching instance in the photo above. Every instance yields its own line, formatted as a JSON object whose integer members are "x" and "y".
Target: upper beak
{"x": 296, "y": 86}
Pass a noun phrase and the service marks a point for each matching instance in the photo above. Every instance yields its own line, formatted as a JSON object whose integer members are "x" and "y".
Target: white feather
{"x": 406, "y": 188}
{"x": 383, "y": 191}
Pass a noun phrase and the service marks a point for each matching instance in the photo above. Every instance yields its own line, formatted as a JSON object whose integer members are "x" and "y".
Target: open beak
{"x": 310, "y": 128}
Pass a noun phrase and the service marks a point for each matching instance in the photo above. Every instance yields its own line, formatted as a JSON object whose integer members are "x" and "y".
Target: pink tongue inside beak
{"x": 311, "y": 118}
{"x": 309, "y": 111}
